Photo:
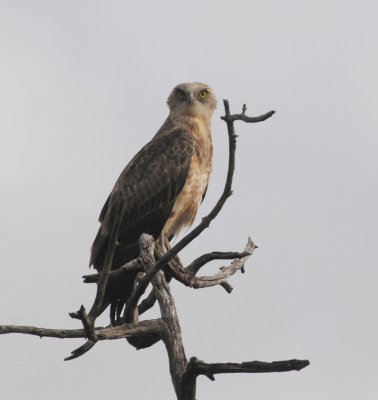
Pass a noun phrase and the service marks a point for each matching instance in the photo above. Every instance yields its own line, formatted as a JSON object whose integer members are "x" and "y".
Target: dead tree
{"x": 157, "y": 269}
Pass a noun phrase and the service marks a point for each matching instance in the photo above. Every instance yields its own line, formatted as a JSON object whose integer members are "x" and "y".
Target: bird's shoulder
{"x": 161, "y": 165}
{"x": 166, "y": 151}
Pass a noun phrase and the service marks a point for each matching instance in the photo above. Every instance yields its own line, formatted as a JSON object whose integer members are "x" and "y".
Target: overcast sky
{"x": 83, "y": 86}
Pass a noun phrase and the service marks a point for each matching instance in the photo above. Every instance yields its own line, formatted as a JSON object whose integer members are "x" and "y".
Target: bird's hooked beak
{"x": 191, "y": 98}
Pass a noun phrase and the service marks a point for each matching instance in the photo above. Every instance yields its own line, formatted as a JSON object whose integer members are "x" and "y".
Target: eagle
{"x": 161, "y": 188}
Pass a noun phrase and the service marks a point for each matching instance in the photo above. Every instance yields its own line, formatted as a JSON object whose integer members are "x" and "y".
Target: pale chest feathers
{"x": 187, "y": 202}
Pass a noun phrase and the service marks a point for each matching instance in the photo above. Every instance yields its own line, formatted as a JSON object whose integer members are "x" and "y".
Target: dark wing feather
{"x": 148, "y": 186}
{"x": 104, "y": 209}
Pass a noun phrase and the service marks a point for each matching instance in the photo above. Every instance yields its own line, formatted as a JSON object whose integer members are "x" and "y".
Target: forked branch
{"x": 197, "y": 282}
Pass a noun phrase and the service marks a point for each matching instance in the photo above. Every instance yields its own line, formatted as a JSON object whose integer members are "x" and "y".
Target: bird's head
{"x": 191, "y": 99}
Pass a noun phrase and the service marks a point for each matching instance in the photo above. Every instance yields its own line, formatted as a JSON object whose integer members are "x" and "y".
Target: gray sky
{"x": 83, "y": 86}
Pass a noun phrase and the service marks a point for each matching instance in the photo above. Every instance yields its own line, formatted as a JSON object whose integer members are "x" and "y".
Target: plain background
{"x": 83, "y": 86}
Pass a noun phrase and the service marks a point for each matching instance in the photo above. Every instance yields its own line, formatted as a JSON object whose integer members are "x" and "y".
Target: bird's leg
{"x": 114, "y": 312}
{"x": 136, "y": 282}
{"x": 117, "y": 312}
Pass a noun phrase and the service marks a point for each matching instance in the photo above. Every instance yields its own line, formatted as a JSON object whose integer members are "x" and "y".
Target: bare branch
{"x": 192, "y": 269}
{"x": 201, "y": 368}
{"x": 218, "y": 278}
{"x": 108, "y": 333}
{"x": 42, "y": 332}
{"x": 199, "y": 262}
{"x": 227, "y": 287}
{"x": 243, "y": 117}
{"x": 132, "y": 266}
{"x": 172, "y": 337}
{"x": 197, "y": 367}
{"x": 81, "y": 350}
{"x": 147, "y": 303}
{"x": 82, "y": 315}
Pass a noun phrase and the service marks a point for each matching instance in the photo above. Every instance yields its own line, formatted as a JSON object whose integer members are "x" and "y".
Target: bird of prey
{"x": 161, "y": 187}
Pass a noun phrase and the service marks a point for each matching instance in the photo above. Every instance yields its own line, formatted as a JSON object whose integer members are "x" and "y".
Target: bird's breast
{"x": 188, "y": 200}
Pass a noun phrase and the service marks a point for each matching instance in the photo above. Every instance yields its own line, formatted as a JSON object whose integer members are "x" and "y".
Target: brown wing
{"x": 149, "y": 186}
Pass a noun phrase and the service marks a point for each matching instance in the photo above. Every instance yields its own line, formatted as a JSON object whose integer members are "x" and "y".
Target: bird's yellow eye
{"x": 203, "y": 94}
